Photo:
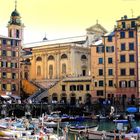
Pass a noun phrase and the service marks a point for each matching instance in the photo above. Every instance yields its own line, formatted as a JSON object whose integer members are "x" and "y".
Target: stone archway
{"x": 54, "y": 97}
{"x": 44, "y": 100}
{"x": 72, "y": 99}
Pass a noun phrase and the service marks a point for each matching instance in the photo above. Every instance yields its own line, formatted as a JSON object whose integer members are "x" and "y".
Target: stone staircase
{"x": 44, "y": 85}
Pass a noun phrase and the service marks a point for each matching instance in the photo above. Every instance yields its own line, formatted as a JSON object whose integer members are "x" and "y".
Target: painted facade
{"x": 115, "y": 70}
{"x": 65, "y": 61}
{"x": 10, "y": 48}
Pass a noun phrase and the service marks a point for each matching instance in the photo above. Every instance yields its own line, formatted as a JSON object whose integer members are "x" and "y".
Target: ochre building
{"x": 62, "y": 67}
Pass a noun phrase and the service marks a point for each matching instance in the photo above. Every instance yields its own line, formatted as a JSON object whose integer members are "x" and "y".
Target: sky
{"x": 65, "y": 18}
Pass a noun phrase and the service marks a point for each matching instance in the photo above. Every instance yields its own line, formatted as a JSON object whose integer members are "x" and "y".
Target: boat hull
{"x": 83, "y": 129}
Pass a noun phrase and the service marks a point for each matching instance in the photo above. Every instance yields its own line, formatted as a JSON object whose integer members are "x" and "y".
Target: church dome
{"x": 15, "y": 13}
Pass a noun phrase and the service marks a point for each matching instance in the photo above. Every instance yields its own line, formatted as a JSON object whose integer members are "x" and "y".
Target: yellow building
{"x": 115, "y": 63}
{"x": 103, "y": 67}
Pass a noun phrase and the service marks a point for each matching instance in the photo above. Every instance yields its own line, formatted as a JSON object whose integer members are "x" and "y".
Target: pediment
{"x": 97, "y": 28}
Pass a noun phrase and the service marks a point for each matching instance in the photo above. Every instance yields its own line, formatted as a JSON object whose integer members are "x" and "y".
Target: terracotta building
{"x": 115, "y": 61}
{"x": 10, "y": 56}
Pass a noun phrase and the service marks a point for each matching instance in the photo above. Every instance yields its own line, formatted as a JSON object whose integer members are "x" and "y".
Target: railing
{"x": 41, "y": 93}
{"x": 34, "y": 95}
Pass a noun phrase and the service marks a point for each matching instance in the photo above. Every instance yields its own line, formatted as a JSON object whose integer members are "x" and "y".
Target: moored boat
{"x": 83, "y": 128}
{"x": 122, "y": 130}
{"x": 53, "y": 124}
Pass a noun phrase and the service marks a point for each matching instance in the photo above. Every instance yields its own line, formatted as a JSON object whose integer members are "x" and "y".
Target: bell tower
{"x": 15, "y": 26}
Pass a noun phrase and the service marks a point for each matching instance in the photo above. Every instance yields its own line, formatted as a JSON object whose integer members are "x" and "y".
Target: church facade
{"x": 64, "y": 64}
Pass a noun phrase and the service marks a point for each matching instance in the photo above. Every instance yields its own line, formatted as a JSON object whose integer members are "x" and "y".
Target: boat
{"x": 82, "y": 128}
{"x": 98, "y": 135}
{"x": 121, "y": 131}
{"x": 53, "y": 124}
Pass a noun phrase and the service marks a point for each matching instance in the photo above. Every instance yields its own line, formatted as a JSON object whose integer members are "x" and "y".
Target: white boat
{"x": 83, "y": 128}
{"x": 53, "y": 124}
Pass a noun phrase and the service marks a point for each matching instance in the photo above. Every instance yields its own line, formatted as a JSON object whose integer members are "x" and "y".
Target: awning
{"x": 4, "y": 97}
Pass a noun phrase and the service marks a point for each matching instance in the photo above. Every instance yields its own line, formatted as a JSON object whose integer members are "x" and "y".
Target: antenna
{"x": 132, "y": 12}
{"x": 15, "y": 4}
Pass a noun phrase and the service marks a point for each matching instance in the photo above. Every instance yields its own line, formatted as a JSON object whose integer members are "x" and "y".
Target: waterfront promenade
{"x": 36, "y": 109}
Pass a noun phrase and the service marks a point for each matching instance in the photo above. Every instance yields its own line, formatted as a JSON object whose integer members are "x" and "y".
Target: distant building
{"x": 10, "y": 56}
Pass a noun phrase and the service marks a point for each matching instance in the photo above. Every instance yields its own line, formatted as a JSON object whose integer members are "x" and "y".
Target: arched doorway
{"x": 54, "y": 97}
{"x": 63, "y": 98}
{"x": 72, "y": 99}
{"x": 88, "y": 99}
{"x": 44, "y": 100}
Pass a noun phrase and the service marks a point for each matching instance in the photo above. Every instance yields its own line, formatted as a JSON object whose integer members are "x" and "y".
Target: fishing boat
{"x": 82, "y": 128}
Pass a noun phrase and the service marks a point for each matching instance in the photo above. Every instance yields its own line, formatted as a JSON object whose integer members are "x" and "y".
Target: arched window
{"x": 17, "y": 33}
{"x": 38, "y": 70}
{"x": 83, "y": 57}
{"x": 51, "y": 71}
{"x": 72, "y": 87}
{"x": 27, "y": 60}
{"x": 63, "y": 68}
{"x": 132, "y": 83}
{"x": 39, "y": 59}
{"x": 54, "y": 97}
{"x": 10, "y": 32}
{"x": 50, "y": 57}
{"x": 123, "y": 84}
{"x": 80, "y": 87}
{"x": 64, "y": 56}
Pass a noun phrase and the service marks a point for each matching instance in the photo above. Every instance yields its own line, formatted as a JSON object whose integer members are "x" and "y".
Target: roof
{"x": 76, "y": 39}
{"x": 124, "y": 18}
{"x": 111, "y": 33}
{"x": 15, "y": 13}
{"x": 77, "y": 79}
{"x": 99, "y": 42}
{"x": 97, "y": 28}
